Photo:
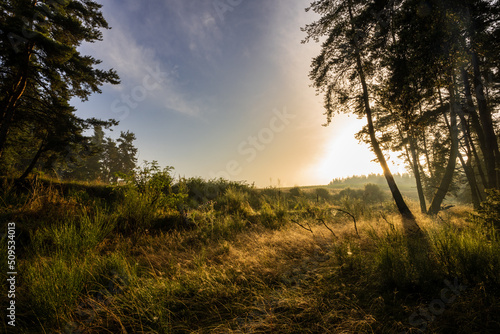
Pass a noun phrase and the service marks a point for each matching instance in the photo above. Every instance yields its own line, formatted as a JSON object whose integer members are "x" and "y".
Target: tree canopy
{"x": 41, "y": 70}
{"x": 425, "y": 76}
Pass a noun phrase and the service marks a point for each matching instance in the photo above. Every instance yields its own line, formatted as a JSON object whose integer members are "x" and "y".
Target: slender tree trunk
{"x": 444, "y": 186}
{"x": 491, "y": 153}
{"x": 424, "y": 141}
{"x": 416, "y": 172}
{"x": 8, "y": 109}
{"x": 427, "y": 158}
{"x": 476, "y": 125}
{"x": 468, "y": 166}
{"x": 469, "y": 173}
{"x": 11, "y": 98}
{"x": 35, "y": 159}
{"x": 471, "y": 110}
{"x": 479, "y": 168}
{"x": 415, "y": 166}
{"x": 410, "y": 225}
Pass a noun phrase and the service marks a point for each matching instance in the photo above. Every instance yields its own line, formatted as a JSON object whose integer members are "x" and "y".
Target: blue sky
{"x": 220, "y": 88}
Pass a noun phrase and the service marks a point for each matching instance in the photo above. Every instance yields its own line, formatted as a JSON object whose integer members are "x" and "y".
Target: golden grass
{"x": 231, "y": 273}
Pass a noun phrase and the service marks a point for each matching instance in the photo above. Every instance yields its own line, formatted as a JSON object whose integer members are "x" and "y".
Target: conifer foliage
{"x": 41, "y": 70}
{"x": 425, "y": 76}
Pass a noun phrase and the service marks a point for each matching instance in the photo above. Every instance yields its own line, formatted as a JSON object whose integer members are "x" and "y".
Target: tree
{"x": 110, "y": 162}
{"x": 39, "y": 58}
{"x": 93, "y": 164}
{"x": 118, "y": 157}
{"x": 127, "y": 152}
{"x": 425, "y": 106}
{"x": 354, "y": 32}
{"x": 482, "y": 33}
{"x": 84, "y": 161}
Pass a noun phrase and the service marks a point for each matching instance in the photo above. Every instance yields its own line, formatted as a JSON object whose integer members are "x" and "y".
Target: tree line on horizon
{"x": 425, "y": 75}
{"x": 371, "y": 178}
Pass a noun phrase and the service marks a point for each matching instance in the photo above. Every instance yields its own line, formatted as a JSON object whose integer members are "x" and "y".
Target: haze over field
{"x": 221, "y": 89}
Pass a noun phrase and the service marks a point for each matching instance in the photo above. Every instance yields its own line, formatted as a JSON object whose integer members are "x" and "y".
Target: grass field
{"x": 219, "y": 257}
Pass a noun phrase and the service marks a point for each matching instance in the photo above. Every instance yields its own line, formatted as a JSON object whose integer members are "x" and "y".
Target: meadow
{"x": 158, "y": 255}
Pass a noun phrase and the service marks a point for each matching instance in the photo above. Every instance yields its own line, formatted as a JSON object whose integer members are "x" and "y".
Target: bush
{"x": 354, "y": 205}
{"x": 350, "y": 194}
{"x": 56, "y": 285}
{"x": 295, "y": 191}
{"x": 272, "y": 219}
{"x": 201, "y": 191}
{"x": 149, "y": 198}
{"x": 323, "y": 193}
{"x": 373, "y": 194}
{"x": 155, "y": 185}
{"x": 235, "y": 202}
{"x": 489, "y": 214}
{"x": 137, "y": 212}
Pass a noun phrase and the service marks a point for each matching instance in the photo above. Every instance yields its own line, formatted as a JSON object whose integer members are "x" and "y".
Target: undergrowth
{"x": 195, "y": 256}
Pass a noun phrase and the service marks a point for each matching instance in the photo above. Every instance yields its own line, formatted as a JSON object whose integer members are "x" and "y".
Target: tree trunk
{"x": 476, "y": 124}
{"x": 33, "y": 162}
{"x": 409, "y": 223}
{"x": 8, "y": 110}
{"x": 469, "y": 173}
{"x": 426, "y": 150}
{"x": 11, "y": 98}
{"x": 444, "y": 186}
{"x": 416, "y": 172}
{"x": 491, "y": 153}
{"x": 468, "y": 166}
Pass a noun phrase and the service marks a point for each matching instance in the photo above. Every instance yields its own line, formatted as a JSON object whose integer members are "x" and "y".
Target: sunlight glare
{"x": 344, "y": 156}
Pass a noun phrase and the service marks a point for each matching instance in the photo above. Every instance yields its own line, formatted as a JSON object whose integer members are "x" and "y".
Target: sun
{"x": 344, "y": 156}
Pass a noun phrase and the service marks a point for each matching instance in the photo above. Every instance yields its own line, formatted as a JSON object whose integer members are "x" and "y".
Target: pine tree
{"x": 344, "y": 70}
{"x": 39, "y": 58}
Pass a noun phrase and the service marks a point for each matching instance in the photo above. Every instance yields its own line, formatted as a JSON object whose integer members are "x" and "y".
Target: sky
{"x": 220, "y": 88}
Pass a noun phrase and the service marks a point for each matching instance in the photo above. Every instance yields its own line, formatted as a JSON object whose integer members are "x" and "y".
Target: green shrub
{"x": 295, "y": 191}
{"x": 149, "y": 198}
{"x": 392, "y": 260}
{"x": 235, "y": 202}
{"x": 137, "y": 212}
{"x": 55, "y": 284}
{"x": 272, "y": 218}
{"x": 373, "y": 194}
{"x": 350, "y": 194}
{"x": 323, "y": 193}
{"x": 219, "y": 227}
{"x": 355, "y": 206}
{"x": 489, "y": 214}
{"x": 201, "y": 191}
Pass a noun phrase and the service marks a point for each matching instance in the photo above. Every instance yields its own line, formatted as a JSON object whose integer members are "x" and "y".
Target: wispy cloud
{"x": 123, "y": 51}
{"x": 194, "y": 25}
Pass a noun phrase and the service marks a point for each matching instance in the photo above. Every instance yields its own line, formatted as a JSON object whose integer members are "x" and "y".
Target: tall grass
{"x": 74, "y": 236}
{"x": 471, "y": 253}
{"x": 237, "y": 262}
